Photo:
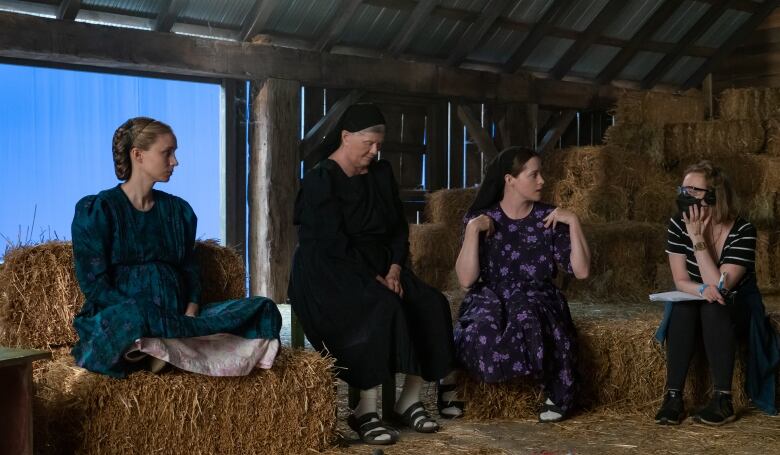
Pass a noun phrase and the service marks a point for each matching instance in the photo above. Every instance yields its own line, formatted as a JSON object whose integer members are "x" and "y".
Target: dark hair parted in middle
{"x": 510, "y": 161}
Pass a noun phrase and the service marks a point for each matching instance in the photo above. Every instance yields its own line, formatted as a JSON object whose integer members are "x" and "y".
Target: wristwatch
{"x": 699, "y": 246}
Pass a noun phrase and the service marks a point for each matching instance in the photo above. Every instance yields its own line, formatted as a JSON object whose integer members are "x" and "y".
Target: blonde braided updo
{"x": 138, "y": 132}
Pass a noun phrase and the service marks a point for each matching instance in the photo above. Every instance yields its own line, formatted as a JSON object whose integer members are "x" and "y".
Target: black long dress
{"x": 352, "y": 229}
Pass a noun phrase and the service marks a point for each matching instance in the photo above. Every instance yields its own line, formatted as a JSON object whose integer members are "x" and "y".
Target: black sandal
{"x": 552, "y": 408}
{"x": 442, "y": 405}
{"x": 369, "y": 431}
{"x": 415, "y": 417}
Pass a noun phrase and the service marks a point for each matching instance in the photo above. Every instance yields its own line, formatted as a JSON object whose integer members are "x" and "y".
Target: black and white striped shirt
{"x": 739, "y": 248}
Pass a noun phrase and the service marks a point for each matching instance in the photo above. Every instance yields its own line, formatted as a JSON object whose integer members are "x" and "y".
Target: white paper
{"x": 674, "y": 296}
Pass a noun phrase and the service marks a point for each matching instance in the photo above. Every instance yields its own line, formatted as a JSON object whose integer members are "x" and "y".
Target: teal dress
{"x": 138, "y": 273}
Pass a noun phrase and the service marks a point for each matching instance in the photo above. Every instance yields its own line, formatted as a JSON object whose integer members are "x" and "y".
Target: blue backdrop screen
{"x": 55, "y": 144}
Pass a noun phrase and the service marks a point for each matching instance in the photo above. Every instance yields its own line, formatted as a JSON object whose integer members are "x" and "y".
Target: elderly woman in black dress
{"x": 349, "y": 286}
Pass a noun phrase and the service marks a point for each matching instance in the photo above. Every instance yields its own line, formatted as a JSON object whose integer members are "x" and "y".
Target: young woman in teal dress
{"x": 133, "y": 251}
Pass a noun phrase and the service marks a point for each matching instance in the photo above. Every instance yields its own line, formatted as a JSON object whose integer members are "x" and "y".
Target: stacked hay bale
{"x": 287, "y": 409}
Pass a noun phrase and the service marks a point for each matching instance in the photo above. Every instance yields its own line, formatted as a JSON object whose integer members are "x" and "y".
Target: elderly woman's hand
{"x": 393, "y": 280}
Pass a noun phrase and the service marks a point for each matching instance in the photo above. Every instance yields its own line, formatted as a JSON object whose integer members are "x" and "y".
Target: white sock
{"x": 366, "y": 405}
{"x": 549, "y": 415}
{"x": 453, "y": 411}
{"x": 410, "y": 395}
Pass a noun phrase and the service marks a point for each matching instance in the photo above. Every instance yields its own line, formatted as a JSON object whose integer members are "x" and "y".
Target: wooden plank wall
{"x": 416, "y": 141}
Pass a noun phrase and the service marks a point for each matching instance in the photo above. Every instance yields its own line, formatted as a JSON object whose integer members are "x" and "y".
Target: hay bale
{"x": 222, "y": 272}
{"x": 40, "y": 293}
{"x": 643, "y": 138}
{"x": 449, "y": 206}
{"x": 654, "y": 200}
{"x": 592, "y": 203}
{"x": 714, "y": 140}
{"x": 623, "y": 261}
{"x": 622, "y": 369}
{"x": 290, "y": 408}
{"x": 749, "y": 103}
{"x": 433, "y": 249}
{"x": 772, "y": 127}
{"x": 659, "y": 107}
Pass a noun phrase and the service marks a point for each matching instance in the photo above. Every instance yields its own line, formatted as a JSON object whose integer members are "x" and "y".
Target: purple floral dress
{"x": 514, "y": 322}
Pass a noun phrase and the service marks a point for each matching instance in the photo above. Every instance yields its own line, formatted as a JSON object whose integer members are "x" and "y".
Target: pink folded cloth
{"x": 221, "y": 354}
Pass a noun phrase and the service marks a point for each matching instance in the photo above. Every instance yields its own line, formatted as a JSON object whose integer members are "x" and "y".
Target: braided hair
{"x": 138, "y": 132}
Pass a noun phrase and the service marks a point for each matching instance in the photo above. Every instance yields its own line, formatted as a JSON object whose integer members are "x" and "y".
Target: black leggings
{"x": 715, "y": 323}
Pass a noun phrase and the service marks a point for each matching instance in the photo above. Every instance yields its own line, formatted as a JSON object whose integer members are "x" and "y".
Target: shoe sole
{"x": 667, "y": 422}
{"x": 729, "y": 419}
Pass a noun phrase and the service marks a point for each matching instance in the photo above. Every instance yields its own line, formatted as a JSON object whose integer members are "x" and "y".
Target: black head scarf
{"x": 492, "y": 188}
{"x": 356, "y": 118}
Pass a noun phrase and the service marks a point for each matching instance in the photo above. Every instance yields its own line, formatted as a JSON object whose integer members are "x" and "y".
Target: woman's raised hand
{"x": 482, "y": 223}
{"x": 560, "y": 215}
{"x": 696, "y": 220}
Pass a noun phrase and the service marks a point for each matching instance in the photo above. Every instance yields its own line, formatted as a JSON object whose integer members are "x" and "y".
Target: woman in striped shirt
{"x": 712, "y": 254}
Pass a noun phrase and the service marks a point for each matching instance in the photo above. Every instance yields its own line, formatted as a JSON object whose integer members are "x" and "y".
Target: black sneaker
{"x": 718, "y": 411}
{"x": 673, "y": 409}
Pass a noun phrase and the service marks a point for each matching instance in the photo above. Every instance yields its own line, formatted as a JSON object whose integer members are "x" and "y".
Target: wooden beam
{"x": 273, "y": 185}
{"x": 417, "y": 19}
{"x": 317, "y": 133}
{"x": 709, "y": 109}
{"x": 605, "y": 17}
{"x": 168, "y": 14}
{"x": 477, "y": 31}
{"x": 536, "y": 34}
{"x": 344, "y": 15}
{"x": 736, "y": 38}
{"x": 30, "y": 38}
{"x": 741, "y": 5}
{"x": 479, "y": 134}
{"x": 616, "y": 65}
{"x": 255, "y": 21}
{"x": 68, "y": 9}
{"x": 554, "y": 134}
{"x": 701, "y": 26}
{"x": 235, "y": 124}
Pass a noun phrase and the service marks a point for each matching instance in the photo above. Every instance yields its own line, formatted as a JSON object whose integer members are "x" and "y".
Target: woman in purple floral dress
{"x": 514, "y": 322}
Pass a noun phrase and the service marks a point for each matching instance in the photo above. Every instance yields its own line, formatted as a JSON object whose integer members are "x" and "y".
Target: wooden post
{"x": 16, "y": 399}
{"x": 707, "y": 92}
{"x": 234, "y": 165}
{"x": 273, "y": 185}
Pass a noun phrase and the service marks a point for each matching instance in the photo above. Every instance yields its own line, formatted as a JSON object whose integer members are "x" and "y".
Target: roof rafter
{"x": 616, "y": 65}
{"x": 168, "y": 14}
{"x": 346, "y": 11}
{"x": 605, "y": 17}
{"x": 68, "y": 9}
{"x": 412, "y": 26}
{"x": 736, "y": 38}
{"x": 477, "y": 31}
{"x": 715, "y": 11}
{"x": 257, "y": 18}
{"x": 536, "y": 34}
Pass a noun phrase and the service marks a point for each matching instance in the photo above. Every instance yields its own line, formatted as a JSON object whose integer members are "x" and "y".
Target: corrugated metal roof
{"x": 681, "y": 21}
{"x": 470, "y": 5}
{"x": 547, "y": 53}
{"x": 640, "y": 65}
{"x": 228, "y": 14}
{"x": 374, "y": 27}
{"x": 132, "y": 7}
{"x": 528, "y": 11}
{"x": 440, "y": 36}
{"x": 631, "y": 18}
{"x": 498, "y": 46}
{"x": 595, "y": 58}
{"x": 723, "y": 28}
{"x": 304, "y": 18}
{"x": 682, "y": 70}
{"x": 579, "y": 16}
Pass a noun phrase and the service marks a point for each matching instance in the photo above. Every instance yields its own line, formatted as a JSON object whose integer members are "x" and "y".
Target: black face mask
{"x": 685, "y": 201}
